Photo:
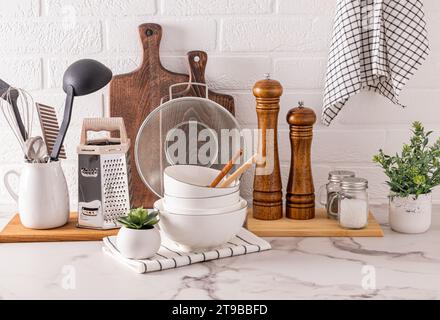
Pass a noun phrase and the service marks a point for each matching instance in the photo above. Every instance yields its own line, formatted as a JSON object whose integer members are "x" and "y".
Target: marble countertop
{"x": 396, "y": 266}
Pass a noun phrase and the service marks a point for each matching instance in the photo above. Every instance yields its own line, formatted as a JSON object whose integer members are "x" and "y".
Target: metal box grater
{"x": 103, "y": 175}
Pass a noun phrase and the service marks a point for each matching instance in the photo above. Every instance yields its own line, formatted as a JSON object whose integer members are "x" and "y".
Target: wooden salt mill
{"x": 300, "y": 193}
{"x": 268, "y": 196}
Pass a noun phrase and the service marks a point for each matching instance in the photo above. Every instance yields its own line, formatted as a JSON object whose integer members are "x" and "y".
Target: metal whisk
{"x": 17, "y": 108}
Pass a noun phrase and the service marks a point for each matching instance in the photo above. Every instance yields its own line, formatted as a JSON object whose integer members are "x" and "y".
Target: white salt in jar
{"x": 352, "y": 203}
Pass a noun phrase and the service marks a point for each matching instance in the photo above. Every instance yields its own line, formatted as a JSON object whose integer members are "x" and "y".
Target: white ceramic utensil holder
{"x": 43, "y": 197}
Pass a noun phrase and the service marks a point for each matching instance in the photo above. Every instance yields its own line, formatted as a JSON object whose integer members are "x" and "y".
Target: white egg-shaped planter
{"x": 138, "y": 243}
{"x": 411, "y": 215}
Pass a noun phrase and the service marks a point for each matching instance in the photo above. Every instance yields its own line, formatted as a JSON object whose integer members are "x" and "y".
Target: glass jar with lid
{"x": 352, "y": 202}
{"x": 333, "y": 187}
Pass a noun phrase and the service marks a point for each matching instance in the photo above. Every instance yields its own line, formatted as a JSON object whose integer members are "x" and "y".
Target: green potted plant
{"x": 138, "y": 237}
{"x": 412, "y": 175}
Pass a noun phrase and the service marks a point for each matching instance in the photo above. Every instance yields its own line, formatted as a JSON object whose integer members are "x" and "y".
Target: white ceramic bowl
{"x": 187, "y": 181}
{"x": 170, "y": 206}
{"x": 175, "y": 203}
{"x": 194, "y": 232}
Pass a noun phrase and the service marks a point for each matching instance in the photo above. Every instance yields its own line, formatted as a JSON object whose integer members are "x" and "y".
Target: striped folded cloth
{"x": 377, "y": 45}
{"x": 171, "y": 256}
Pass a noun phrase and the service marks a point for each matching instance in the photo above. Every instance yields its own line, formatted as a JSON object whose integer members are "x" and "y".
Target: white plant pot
{"x": 410, "y": 215}
{"x": 138, "y": 243}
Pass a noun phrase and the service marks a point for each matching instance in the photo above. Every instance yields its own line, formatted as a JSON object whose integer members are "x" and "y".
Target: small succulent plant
{"x": 140, "y": 218}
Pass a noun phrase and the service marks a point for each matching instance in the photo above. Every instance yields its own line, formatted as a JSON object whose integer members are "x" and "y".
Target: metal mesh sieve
{"x": 187, "y": 130}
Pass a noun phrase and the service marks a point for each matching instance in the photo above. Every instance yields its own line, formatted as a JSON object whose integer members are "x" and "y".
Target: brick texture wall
{"x": 244, "y": 40}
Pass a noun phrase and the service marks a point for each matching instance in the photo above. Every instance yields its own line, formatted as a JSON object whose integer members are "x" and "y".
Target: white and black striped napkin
{"x": 377, "y": 45}
{"x": 170, "y": 256}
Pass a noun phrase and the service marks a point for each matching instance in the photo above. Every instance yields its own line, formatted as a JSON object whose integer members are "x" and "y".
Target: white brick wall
{"x": 244, "y": 39}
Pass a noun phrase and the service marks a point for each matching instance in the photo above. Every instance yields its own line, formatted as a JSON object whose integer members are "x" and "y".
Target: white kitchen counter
{"x": 405, "y": 266}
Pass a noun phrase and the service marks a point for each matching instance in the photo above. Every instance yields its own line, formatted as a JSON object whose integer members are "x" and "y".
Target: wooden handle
{"x": 197, "y": 61}
{"x": 150, "y": 34}
{"x": 239, "y": 172}
{"x": 104, "y": 124}
{"x": 226, "y": 169}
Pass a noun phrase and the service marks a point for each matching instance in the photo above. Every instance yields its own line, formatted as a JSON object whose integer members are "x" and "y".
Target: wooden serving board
{"x": 134, "y": 95}
{"x": 320, "y": 226}
{"x": 15, "y": 232}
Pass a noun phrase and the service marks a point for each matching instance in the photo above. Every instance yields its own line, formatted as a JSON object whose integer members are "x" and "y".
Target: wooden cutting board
{"x": 134, "y": 95}
{"x": 320, "y": 226}
{"x": 15, "y": 232}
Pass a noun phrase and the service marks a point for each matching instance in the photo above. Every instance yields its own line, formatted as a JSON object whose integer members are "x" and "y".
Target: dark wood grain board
{"x": 197, "y": 62}
{"x": 134, "y": 95}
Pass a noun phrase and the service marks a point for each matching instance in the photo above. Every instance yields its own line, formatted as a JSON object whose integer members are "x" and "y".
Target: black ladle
{"x": 81, "y": 78}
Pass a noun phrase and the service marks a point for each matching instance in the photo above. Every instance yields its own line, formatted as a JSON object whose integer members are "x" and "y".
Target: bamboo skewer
{"x": 239, "y": 171}
{"x": 226, "y": 169}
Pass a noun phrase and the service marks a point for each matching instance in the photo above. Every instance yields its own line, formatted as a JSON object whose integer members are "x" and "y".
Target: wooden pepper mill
{"x": 300, "y": 193}
{"x": 268, "y": 196}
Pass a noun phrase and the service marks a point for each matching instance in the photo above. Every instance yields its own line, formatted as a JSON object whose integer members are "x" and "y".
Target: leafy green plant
{"x": 140, "y": 218}
{"x": 416, "y": 170}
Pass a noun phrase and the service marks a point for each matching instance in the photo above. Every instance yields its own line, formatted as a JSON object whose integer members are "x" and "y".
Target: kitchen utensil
{"x": 182, "y": 131}
{"x": 178, "y": 204}
{"x": 237, "y": 173}
{"x": 194, "y": 207}
{"x": 134, "y": 95}
{"x": 81, "y": 78}
{"x": 226, "y": 169}
{"x": 43, "y": 197}
{"x": 103, "y": 175}
{"x": 333, "y": 186}
{"x": 267, "y": 194}
{"x": 14, "y": 231}
{"x": 194, "y": 232}
{"x": 300, "y": 193}
{"x": 11, "y": 95}
{"x": 189, "y": 181}
{"x": 35, "y": 150}
{"x": 49, "y": 127}
{"x": 17, "y": 108}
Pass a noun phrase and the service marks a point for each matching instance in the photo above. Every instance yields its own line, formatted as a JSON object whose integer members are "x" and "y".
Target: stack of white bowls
{"x": 195, "y": 215}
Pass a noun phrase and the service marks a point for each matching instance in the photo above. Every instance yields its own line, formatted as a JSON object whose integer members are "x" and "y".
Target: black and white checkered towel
{"x": 377, "y": 45}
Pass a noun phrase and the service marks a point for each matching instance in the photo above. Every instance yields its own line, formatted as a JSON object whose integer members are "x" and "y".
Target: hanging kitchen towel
{"x": 377, "y": 45}
{"x": 170, "y": 256}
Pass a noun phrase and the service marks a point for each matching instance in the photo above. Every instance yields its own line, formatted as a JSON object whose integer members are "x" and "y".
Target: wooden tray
{"x": 318, "y": 227}
{"x": 15, "y": 232}
{"x": 321, "y": 226}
